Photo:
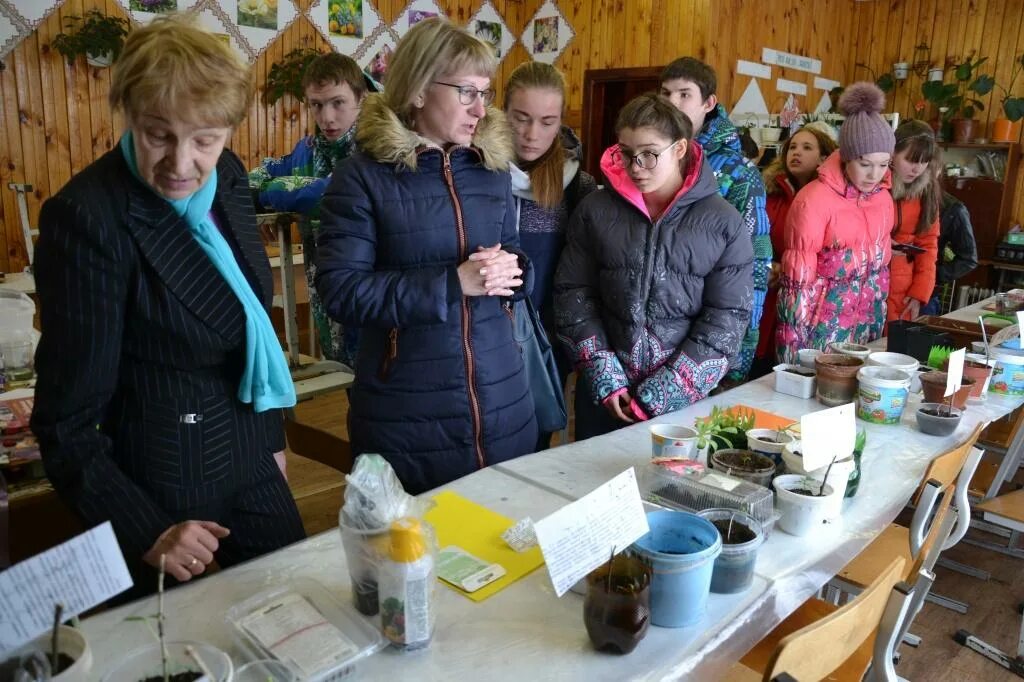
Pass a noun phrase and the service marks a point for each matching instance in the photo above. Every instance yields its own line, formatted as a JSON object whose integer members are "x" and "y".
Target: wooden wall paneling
{"x": 1000, "y": 64}
{"x": 700, "y": 28}
{"x": 7, "y": 204}
{"x": 30, "y": 115}
{"x": 633, "y": 37}
{"x": 723, "y": 45}
{"x": 55, "y": 113}
{"x": 903, "y": 50}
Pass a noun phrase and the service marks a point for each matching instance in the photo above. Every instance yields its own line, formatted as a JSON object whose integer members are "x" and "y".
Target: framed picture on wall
{"x": 373, "y": 57}
{"x": 489, "y": 26}
{"x": 547, "y": 34}
{"x": 347, "y": 24}
{"x": 415, "y": 12}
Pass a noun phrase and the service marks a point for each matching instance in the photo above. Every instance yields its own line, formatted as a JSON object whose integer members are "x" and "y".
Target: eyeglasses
{"x": 645, "y": 160}
{"x": 468, "y": 94}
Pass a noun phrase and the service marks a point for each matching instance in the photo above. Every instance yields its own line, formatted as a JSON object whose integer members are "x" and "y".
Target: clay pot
{"x": 963, "y": 130}
{"x": 934, "y": 385}
{"x": 979, "y": 372}
{"x": 837, "y": 378}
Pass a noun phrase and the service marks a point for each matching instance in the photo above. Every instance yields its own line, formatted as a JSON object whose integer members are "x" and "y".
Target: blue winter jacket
{"x": 440, "y": 389}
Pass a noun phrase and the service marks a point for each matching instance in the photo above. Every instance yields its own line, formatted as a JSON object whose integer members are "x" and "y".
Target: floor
{"x": 992, "y": 614}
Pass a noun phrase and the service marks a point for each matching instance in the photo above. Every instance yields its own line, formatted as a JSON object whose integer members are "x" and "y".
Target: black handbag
{"x": 541, "y": 370}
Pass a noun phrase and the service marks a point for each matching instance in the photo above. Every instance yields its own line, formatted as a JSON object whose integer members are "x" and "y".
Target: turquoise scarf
{"x": 266, "y": 382}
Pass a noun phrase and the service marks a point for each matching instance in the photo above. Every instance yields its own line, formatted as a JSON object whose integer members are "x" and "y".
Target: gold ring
{"x": 193, "y": 562}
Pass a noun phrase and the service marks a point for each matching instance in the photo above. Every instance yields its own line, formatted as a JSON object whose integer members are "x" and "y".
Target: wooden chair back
{"x": 813, "y": 652}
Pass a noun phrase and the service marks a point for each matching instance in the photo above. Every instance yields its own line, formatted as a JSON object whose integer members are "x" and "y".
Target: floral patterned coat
{"x": 835, "y": 268}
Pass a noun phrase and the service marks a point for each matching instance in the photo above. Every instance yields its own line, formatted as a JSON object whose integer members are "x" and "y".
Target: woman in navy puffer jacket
{"x": 419, "y": 249}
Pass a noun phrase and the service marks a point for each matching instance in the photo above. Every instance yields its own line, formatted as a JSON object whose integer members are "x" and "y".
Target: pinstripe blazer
{"x": 141, "y": 353}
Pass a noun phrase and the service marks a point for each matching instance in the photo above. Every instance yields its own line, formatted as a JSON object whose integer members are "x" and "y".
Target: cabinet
{"x": 989, "y": 200}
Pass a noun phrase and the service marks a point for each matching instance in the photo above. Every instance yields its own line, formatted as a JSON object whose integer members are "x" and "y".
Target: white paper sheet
{"x": 955, "y": 371}
{"x": 79, "y": 574}
{"x": 751, "y": 102}
{"x": 580, "y": 536}
{"x": 827, "y": 434}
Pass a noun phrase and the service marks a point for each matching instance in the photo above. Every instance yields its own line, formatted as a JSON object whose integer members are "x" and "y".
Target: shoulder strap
{"x": 572, "y": 192}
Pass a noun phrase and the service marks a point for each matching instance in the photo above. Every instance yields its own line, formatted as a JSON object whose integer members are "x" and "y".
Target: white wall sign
{"x": 790, "y": 61}
{"x": 745, "y": 68}
{"x": 783, "y": 85}
{"x": 825, "y": 83}
{"x": 750, "y": 102}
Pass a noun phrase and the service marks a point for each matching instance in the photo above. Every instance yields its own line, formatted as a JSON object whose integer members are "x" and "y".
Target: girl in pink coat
{"x": 835, "y": 269}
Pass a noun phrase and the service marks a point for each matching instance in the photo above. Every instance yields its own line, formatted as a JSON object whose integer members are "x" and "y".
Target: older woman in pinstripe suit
{"x": 160, "y": 379}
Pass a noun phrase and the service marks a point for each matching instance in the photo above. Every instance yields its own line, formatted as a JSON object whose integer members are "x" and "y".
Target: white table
{"x": 523, "y": 632}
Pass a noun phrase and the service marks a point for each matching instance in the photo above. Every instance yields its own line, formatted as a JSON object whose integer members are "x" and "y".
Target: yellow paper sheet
{"x": 478, "y": 530}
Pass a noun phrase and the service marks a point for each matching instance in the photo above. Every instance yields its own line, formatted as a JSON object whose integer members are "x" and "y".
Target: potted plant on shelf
{"x": 1008, "y": 129}
{"x": 97, "y": 36}
{"x": 957, "y": 102}
{"x": 285, "y": 76}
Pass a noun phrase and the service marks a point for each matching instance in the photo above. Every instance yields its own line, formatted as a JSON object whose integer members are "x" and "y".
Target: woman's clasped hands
{"x": 490, "y": 272}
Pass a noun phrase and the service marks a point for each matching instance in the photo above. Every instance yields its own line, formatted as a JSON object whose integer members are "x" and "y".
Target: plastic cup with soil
{"x": 742, "y": 536}
{"x": 73, "y": 664}
{"x": 617, "y": 607}
{"x": 746, "y": 464}
{"x": 937, "y": 419}
{"x": 837, "y": 378}
{"x": 803, "y": 503}
{"x": 768, "y": 442}
{"x": 144, "y": 664}
{"x": 934, "y": 386}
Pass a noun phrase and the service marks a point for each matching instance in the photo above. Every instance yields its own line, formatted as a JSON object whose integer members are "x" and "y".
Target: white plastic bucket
{"x": 1008, "y": 373}
{"x": 882, "y": 394}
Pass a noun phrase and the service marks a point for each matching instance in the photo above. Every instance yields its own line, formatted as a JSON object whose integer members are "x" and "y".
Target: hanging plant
{"x": 285, "y": 76}
{"x": 96, "y": 36}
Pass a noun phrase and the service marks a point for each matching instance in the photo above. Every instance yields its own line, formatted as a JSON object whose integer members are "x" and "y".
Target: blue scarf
{"x": 266, "y": 382}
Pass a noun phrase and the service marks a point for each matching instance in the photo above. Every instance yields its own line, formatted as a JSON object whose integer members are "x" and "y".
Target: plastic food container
{"x": 882, "y": 394}
{"x": 707, "y": 490}
{"x": 794, "y": 380}
{"x": 801, "y": 514}
{"x": 1008, "y": 374}
{"x": 734, "y": 567}
{"x": 337, "y": 654}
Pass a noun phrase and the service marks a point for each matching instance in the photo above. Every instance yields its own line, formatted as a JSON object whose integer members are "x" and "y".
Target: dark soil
{"x": 764, "y": 439}
{"x": 803, "y": 491}
{"x": 739, "y": 534}
{"x": 177, "y": 677}
{"x": 800, "y": 371}
{"x": 745, "y": 461}
{"x": 63, "y": 662}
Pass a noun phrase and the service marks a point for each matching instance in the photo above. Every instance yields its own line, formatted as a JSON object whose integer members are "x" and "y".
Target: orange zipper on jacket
{"x": 390, "y": 355}
{"x": 467, "y": 343}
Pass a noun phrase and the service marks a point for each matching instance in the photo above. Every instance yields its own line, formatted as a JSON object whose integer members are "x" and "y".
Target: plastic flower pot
{"x": 937, "y": 419}
{"x": 934, "y": 386}
{"x": 672, "y": 441}
{"x": 73, "y": 652}
{"x": 265, "y": 671}
{"x": 144, "y": 664}
{"x": 802, "y": 505}
{"x": 768, "y": 442}
{"x": 742, "y": 536}
{"x": 837, "y": 378}
{"x": 852, "y": 349}
{"x": 745, "y": 464}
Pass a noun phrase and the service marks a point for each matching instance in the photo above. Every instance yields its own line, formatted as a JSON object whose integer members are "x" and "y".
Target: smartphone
{"x": 908, "y": 249}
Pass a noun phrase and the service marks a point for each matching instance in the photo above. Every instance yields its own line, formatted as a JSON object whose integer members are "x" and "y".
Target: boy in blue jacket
{"x": 690, "y": 85}
{"x": 334, "y": 88}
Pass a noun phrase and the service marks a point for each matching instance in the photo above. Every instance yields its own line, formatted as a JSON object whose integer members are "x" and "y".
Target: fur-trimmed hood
{"x": 382, "y": 136}
{"x": 901, "y": 190}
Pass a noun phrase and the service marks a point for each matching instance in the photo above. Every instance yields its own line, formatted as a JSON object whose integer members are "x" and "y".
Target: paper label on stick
{"x": 1020, "y": 324}
{"x": 955, "y": 372}
{"x": 580, "y": 536}
{"x": 79, "y": 574}
{"x": 827, "y": 434}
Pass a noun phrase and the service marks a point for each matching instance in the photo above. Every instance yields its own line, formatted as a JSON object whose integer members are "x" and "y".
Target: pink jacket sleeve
{"x": 804, "y": 238}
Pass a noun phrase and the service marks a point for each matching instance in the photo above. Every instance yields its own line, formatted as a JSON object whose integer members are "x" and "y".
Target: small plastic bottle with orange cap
{"x": 406, "y": 585}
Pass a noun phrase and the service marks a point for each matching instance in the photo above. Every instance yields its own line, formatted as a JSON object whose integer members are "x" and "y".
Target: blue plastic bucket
{"x": 682, "y": 548}
{"x": 882, "y": 394}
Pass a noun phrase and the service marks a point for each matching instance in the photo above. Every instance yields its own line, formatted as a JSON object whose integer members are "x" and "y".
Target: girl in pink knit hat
{"x": 835, "y": 268}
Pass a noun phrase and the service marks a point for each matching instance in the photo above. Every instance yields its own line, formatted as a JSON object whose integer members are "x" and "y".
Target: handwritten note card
{"x": 827, "y": 434}
{"x": 955, "y": 371}
{"x": 579, "y": 537}
{"x": 79, "y": 574}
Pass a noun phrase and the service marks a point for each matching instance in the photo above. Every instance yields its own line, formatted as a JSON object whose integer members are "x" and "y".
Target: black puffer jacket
{"x": 657, "y": 308}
